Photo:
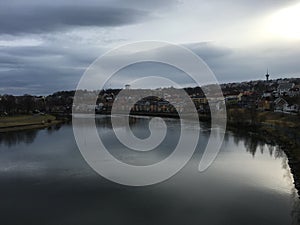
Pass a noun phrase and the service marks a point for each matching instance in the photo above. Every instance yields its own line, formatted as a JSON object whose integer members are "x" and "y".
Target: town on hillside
{"x": 278, "y": 95}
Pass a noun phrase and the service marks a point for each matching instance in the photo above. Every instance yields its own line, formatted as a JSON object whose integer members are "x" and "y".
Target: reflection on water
{"x": 13, "y": 138}
{"x": 253, "y": 144}
{"x": 44, "y": 180}
{"x": 10, "y": 139}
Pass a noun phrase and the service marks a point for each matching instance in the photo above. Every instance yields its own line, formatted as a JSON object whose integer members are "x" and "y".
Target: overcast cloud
{"x": 45, "y": 46}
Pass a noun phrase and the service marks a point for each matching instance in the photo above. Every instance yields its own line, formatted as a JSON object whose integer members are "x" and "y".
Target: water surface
{"x": 45, "y": 180}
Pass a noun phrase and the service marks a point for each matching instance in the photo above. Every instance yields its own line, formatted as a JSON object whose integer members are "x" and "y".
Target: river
{"x": 45, "y": 180}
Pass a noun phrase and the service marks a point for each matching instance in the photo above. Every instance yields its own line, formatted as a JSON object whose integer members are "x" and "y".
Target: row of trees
{"x": 10, "y": 104}
{"x": 60, "y": 101}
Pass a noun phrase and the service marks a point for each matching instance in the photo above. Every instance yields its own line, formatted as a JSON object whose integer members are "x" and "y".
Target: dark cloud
{"x": 44, "y": 18}
{"x": 38, "y": 16}
{"x": 43, "y": 69}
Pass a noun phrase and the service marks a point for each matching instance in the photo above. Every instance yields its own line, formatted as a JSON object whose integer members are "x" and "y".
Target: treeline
{"x": 59, "y": 101}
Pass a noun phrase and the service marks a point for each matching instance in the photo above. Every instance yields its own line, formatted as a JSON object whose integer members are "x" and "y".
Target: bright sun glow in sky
{"x": 285, "y": 22}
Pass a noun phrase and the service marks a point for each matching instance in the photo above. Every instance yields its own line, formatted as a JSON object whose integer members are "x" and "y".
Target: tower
{"x": 267, "y": 75}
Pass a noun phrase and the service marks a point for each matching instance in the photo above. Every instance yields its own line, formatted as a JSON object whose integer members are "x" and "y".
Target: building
{"x": 284, "y": 88}
{"x": 280, "y": 104}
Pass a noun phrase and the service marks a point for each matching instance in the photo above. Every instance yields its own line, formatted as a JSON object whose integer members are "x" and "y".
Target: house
{"x": 280, "y": 104}
{"x": 284, "y": 88}
{"x": 267, "y": 94}
{"x": 295, "y": 91}
{"x": 264, "y": 104}
{"x": 294, "y": 108}
{"x": 199, "y": 100}
{"x": 163, "y": 106}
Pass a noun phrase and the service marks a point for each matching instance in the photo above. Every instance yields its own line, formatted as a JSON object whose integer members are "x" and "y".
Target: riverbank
{"x": 26, "y": 122}
{"x": 273, "y": 128}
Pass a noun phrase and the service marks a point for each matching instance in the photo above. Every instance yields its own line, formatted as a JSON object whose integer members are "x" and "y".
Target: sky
{"x": 45, "y": 46}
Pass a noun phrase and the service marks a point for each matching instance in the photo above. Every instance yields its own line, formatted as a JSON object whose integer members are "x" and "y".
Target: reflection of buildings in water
{"x": 105, "y": 121}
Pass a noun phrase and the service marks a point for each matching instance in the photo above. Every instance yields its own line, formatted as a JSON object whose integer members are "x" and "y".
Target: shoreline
{"x": 27, "y": 122}
{"x": 28, "y": 127}
{"x": 202, "y": 117}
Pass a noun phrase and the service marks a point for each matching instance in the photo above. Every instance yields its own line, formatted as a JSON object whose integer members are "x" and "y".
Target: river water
{"x": 45, "y": 180}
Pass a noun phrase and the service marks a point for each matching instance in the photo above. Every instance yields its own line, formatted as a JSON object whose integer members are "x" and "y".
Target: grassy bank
{"x": 24, "y": 122}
